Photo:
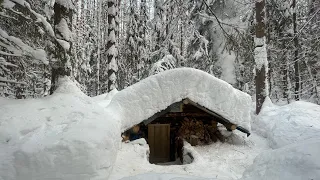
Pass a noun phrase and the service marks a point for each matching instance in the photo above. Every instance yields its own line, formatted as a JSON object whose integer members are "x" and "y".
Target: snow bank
{"x": 293, "y": 131}
{"x": 284, "y": 125}
{"x": 294, "y": 162}
{"x": 131, "y": 158}
{"x": 63, "y": 136}
{"x": 156, "y": 176}
{"x": 105, "y": 99}
{"x": 155, "y": 93}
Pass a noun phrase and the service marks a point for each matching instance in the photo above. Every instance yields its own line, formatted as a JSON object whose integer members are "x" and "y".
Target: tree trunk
{"x": 111, "y": 46}
{"x": 296, "y": 53}
{"x": 260, "y": 56}
{"x": 99, "y": 47}
{"x": 61, "y": 54}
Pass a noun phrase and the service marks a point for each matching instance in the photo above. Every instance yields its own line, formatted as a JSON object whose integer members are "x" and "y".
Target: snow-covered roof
{"x": 155, "y": 93}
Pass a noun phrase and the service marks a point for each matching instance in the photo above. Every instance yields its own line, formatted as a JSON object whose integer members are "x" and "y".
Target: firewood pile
{"x": 193, "y": 131}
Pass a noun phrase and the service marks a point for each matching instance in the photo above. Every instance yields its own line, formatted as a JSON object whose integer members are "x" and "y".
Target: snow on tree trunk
{"x": 112, "y": 51}
{"x": 142, "y": 44}
{"x": 260, "y": 56}
{"x": 61, "y": 56}
{"x": 99, "y": 48}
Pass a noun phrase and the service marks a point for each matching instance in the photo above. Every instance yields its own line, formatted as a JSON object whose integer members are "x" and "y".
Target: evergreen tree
{"x": 112, "y": 51}
{"x": 261, "y": 62}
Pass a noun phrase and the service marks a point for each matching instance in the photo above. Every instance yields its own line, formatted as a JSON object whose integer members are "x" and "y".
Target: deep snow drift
{"x": 64, "y": 136}
{"x": 294, "y": 132}
{"x": 155, "y": 93}
{"x": 284, "y": 125}
{"x": 293, "y": 162}
{"x": 105, "y": 99}
{"x": 223, "y": 161}
{"x": 158, "y": 176}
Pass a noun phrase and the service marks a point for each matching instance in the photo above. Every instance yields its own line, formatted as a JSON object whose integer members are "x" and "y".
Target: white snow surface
{"x": 8, "y": 4}
{"x": 64, "y": 29}
{"x": 293, "y": 131}
{"x": 155, "y": 93}
{"x": 63, "y": 136}
{"x": 23, "y": 49}
{"x": 163, "y": 176}
{"x": 223, "y": 161}
{"x": 284, "y": 125}
{"x": 64, "y": 44}
{"x": 105, "y": 99}
{"x": 260, "y": 53}
{"x": 293, "y": 162}
{"x": 166, "y": 63}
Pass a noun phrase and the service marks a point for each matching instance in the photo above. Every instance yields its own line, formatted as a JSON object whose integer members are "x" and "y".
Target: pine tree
{"x": 261, "y": 62}
{"x": 62, "y": 53}
{"x": 112, "y": 51}
{"x": 142, "y": 41}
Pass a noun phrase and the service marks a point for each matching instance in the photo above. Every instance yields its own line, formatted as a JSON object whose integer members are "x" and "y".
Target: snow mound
{"x": 155, "y": 93}
{"x": 156, "y": 176}
{"x": 284, "y": 125}
{"x": 293, "y": 162}
{"x": 105, "y": 99}
{"x": 63, "y": 136}
{"x": 131, "y": 157}
{"x": 67, "y": 86}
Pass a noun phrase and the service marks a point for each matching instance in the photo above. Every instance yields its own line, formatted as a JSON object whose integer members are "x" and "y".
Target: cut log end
{"x": 230, "y": 127}
{"x": 233, "y": 127}
{"x": 186, "y": 101}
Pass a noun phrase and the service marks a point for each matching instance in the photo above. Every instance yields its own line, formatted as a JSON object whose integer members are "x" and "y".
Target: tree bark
{"x": 111, "y": 45}
{"x": 62, "y": 55}
{"x": 296, "y": 53}
{"x": 260, "y": 52}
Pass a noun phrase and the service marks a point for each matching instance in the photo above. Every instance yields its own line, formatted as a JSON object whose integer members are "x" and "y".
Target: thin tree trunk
{"x": 99, "y": 48}
{"x": 260, "y": 56}
{"x": 296, "y": 53}
{"x": 111, "y": 45}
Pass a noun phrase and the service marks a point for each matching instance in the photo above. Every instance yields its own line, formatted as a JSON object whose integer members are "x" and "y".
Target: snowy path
{"x": 218, "y": 160}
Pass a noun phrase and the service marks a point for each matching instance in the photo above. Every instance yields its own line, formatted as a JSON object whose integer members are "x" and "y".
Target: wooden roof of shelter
{"x": 227, "y": 123}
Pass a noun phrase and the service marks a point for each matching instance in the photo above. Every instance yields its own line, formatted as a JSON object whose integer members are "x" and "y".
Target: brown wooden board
{"x": 159, "y": 142}
{"x": 190, "y": 114}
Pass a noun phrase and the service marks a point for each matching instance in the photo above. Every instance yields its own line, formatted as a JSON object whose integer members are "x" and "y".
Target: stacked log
{"x": 193, "y": 131}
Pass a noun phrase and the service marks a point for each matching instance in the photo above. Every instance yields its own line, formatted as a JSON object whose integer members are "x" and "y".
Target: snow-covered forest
{"x": 159, "y": 89}
{"x": 107, "y": 44}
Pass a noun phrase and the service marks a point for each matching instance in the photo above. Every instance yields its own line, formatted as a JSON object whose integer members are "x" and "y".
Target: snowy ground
{"x": 65, "y": 136}
{"x": 218, "y": 160}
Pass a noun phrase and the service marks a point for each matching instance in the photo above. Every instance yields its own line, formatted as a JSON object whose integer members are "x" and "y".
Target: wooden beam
{"x": 219, "y": 118}
{"x": 243, "y": 130}
{"x": 155, "y": 116}
{"x": 183, "y": 114}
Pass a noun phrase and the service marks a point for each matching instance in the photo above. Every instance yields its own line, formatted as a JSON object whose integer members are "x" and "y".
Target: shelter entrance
{"x": 159, "y": 143}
